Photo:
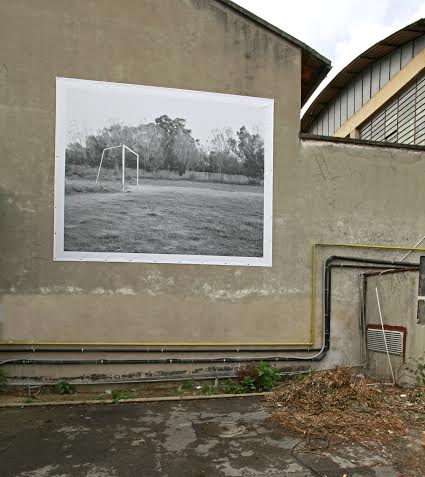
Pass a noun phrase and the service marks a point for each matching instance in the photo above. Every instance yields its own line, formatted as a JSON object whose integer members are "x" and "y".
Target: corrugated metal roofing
{"x": 376, "y": 52}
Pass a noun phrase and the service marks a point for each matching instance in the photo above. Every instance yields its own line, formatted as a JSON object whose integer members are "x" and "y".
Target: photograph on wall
{"x": 151, "y": 174}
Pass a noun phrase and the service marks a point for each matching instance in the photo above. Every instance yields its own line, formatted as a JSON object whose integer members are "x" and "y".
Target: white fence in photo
{"x": 215, "y": 177}
{"x": 199, "y": 176}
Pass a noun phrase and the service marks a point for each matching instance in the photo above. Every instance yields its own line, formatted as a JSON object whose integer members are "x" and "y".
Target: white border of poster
{"x": 64, "y": 85}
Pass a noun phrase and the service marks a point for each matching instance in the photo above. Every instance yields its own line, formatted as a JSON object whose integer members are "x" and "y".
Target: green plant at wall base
{"x": 257, "y": 377}
{"x": 208, "y": 390}
{"x": 121, "y": 395}
{"x": 63, "y": 387}
{"x": 101, "y": 397}
{"x": 248, "y": 385}
{"x": 232, "y": 387}
{"x": 267, "y": 376}
{"x": 188, "y": 385}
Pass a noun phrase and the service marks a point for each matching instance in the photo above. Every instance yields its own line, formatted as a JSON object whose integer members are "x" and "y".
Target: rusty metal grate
{"x": 375, "y": 340}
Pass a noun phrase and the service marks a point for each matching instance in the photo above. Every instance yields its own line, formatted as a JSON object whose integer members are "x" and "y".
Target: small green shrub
{"x": 101, "y": 397}
{"x": 188, "y": 385}
{"x": 208, "y": 390}
{"x": 63, "y": 387}
{"x": 232, "y": 387}
{"x": 121, "y": 395}
{"x": 257, "y": 377}
{"x": 247, "y": 385}
{"x": 267, "y": 377}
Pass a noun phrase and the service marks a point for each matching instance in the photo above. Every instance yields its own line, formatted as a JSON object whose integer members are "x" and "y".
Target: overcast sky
{"x": 92, "y": 105}
{"x": 338, "y": 29}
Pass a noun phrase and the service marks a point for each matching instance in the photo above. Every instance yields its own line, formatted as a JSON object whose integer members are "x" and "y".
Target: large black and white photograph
{"x": 151, "y": 174}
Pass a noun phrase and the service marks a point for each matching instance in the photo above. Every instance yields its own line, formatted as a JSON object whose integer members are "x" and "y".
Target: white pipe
{"x": 131, "y": 150}
{"x": 383, "y": 332}
{"x": 137, "y": 162}
{"x": 101, "y": 159}
{"x": 123, "y": 167}
{"x": 100, "y": 165}
{"x": 137, "y": 171}
{"x": 410, "y": 251}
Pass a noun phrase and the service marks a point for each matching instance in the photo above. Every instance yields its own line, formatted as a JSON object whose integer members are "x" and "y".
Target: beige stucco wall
{"x": 323, "y": 192}
{"x": 197, "y": 45}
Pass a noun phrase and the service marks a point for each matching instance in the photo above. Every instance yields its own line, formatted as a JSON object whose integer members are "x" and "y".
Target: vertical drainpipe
{"x": 421, "y": 293}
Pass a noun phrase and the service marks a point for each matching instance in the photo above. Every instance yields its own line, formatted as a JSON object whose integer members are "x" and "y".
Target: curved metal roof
{"x": 314, "y": 66}
{"x": 377, "y": 51}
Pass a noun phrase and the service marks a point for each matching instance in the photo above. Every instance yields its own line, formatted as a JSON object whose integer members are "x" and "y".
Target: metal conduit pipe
{"x": 327, "y": 289}
{"x": 327, "y": 286}
{"x": 147, "y": 349}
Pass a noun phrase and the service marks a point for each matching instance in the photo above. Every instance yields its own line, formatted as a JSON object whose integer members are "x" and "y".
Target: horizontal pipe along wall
{"x": 354, "y": 263}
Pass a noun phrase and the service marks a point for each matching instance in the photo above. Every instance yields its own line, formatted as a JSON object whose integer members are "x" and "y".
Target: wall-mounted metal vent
{"x": 395, "y": 336}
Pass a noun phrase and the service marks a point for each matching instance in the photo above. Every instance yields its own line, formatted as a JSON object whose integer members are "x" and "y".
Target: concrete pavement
{"x": 207, "y": 438}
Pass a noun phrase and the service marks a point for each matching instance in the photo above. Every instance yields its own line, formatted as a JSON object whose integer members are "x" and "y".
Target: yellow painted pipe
{"x": 312, "y": 316}
{"x": 72, "y": 343}
{"x": 357, "y": 245}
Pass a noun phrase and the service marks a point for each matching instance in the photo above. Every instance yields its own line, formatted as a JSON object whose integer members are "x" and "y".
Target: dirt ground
{"x": 167, "y": 217}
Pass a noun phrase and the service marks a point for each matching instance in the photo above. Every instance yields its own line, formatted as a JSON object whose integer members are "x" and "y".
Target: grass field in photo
{"x": 164, "y": 217}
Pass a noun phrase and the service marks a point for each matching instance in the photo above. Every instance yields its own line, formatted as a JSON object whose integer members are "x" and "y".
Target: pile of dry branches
{"x": 339, "y": 406}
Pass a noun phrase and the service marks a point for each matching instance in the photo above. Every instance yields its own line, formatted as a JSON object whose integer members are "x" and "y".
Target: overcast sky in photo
{"x": 338, "y": 29}
{"x": 91, "y": 106}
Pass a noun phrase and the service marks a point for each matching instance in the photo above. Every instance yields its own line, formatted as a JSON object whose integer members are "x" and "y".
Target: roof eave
{"x": 326, "y": 96}
{"x": 309, "y": 55}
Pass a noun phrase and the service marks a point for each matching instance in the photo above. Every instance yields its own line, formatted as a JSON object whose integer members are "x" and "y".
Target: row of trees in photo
{"x": 167, "y": 144}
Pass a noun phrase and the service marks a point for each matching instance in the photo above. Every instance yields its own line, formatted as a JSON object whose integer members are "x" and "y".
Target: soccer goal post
{"x": 124, "y": 148}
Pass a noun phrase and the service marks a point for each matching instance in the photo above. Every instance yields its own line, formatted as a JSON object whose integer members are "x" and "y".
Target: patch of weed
{"x": 266, "y": 377}
{"x": 251, "y": 378}
{"x": 121, "y": 395}
{"x": 101, "y": 397}
{"x": 232, "y": 387}
{"x": 247, "y": 385}
{"x": 188, "y": 385}
{"x": 63, "y": 387}
{"x": 208, "y": 390}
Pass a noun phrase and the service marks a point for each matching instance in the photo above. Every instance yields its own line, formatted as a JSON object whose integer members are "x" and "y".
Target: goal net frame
{"x": 124, "y": 148}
